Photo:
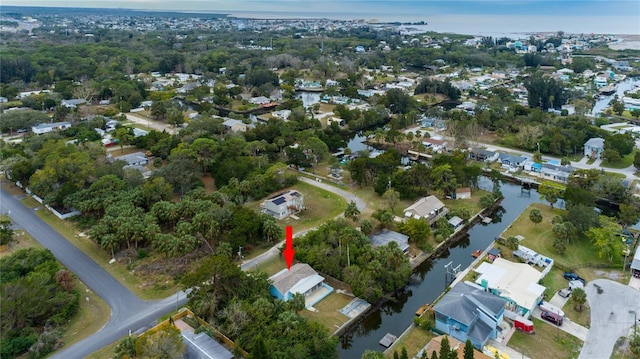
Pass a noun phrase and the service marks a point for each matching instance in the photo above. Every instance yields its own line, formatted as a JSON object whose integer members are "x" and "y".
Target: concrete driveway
{"x": 611, "y": 316}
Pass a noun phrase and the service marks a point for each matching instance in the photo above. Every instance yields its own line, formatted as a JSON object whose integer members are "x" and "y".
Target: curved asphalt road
{"x": 275, "y": 250}
{"x": 128, "y": 312}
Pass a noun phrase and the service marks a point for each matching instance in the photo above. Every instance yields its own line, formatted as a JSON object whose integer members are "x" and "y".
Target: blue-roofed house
{"x": 593, "y": 147}
{"x": 283, "y": 204}
{"x": 468, "y": 312}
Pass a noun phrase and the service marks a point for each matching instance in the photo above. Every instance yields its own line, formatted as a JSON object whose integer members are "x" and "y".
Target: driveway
{"x": 128, "y": 312}
{"x": 611, "y": 316}
{"x": 567, "y": 326}
{"x": 275, "y": 250}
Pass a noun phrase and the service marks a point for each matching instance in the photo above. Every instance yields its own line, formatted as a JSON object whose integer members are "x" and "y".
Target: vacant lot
{"x": 540, "y": 238}
{"x": 414, "y": 340}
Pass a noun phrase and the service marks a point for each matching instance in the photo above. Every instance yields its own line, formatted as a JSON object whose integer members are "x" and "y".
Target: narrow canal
{"x": 396, "y": 315}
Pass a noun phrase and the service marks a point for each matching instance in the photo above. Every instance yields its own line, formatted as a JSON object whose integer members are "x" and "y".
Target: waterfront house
{"x": 283, "y": 204}
{"x": 516, "y": 283}
{"x": 386, "y": 236}
{"x": 468, "y": 312}
{"x": 50, "y": 127}
{"x": 511, "y": 161}
{"x": 593, "y": 147}
{"x": 301, "y": 278}
{"x": 482, "y": 155}
{"x": 556, "y": 172}
{"x": 428, "y": 208}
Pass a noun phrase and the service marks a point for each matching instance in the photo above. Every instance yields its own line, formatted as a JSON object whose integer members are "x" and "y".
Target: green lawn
{"x": 540, "y": 238}
{"x": 414, "y": 340}
{"x": 327, "y": 312}
{"x": 472, "y": 204}
{"x": 272, "y": 266}
{"x": 625, "y": 162}
{"x": 556, "y": 343}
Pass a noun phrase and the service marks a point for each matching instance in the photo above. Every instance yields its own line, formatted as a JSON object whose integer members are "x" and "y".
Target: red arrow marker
{"x": 289, "y": 252}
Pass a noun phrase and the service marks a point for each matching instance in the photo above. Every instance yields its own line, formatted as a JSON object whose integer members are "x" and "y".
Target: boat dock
{"x": 388, "y": 340}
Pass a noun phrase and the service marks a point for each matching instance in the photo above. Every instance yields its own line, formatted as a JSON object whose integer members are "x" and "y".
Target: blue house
{"x": 468, "y": 312}
{"x": 301, "y": 278}
{"x": 593, "y": 147}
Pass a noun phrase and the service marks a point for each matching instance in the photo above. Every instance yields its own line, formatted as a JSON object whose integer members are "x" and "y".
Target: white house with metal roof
{"x": 517, "y": 283}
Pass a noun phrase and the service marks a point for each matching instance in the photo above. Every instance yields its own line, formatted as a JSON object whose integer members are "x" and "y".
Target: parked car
{"x": 573, "y": 276}
{"x": 564, "y": 292}
{"x": 552, "y": 317}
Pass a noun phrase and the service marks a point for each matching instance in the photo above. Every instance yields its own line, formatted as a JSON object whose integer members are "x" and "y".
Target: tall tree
{"x": 579, "y": 298}
{"x": 165, "y": 342}
{"x": 605, "y": 238}
{"x": 468, "y": 350}
{"x": 352, "y": 212}
{"x": 535, "y": 216}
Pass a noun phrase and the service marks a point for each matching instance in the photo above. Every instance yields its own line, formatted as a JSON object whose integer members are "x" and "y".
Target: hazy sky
{"x": 590, "y": 7}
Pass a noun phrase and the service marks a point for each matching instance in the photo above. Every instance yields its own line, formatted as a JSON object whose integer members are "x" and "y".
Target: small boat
{"x": 476, "y": 253}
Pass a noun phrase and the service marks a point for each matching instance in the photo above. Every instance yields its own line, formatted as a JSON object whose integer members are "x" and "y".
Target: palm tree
{"x": 352, "y": 212}
{"x": 579, "y": 297}
{"x": 297, "y": 302}
{"x": 270, "y": 229}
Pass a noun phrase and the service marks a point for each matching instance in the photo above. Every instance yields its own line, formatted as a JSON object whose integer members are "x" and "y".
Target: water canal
{"x": 396, "y": 315}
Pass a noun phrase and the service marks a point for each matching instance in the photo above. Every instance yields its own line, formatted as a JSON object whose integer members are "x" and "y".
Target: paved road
{"x": 128, "y": 312}
{"x": 611, "y": 316}
{"x": 628, "y": 172}
{"x": 275, "y": 250}
{"x": 156, "y": 125}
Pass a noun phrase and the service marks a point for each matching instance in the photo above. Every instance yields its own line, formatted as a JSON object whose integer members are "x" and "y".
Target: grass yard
{"x": 556, "y": 343}
{"x": 540, "y": 238}
{"x": 106, "y": 352}
{"x": 625, "y": 162}
{"x": 472, "y": 204}
{"x": 135, "y": 284}
{"x": 327, "y": 312}
{"x": 414, "y": 340}
{"x": 272, "y": 266}
{"x": 321, "y": 207}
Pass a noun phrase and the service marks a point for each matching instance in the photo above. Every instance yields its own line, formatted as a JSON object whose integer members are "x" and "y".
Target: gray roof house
{"x": 511, "y": 160}
{"x": 555, "y": 172}
{"x": 202, "y": 346}
{"x": 134, "y": 159}
{"x": 73, "y": 103}
{"x": 467, "y": 311}
{"x": 593, "y": 147}
{"x": 386, "y": 236}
